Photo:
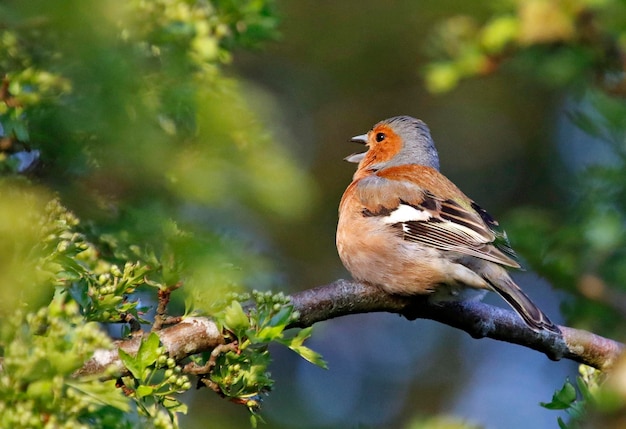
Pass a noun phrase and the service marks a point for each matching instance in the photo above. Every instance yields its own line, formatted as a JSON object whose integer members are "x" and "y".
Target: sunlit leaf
{"x": 562, "y": 399}
{"x": 235, "y": 319}
{"x": 131, "y": 363}
{"x": 144, "y": 390}
{"x": 148, "y": 350}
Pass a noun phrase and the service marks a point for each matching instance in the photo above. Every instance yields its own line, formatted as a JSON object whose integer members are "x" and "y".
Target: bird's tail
{"x": 521, "y": 303}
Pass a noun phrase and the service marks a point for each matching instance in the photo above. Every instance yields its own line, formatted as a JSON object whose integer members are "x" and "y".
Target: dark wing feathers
{"x": 437, "y": 221}
{"x": 453, "y": 212}
{"x": 453, "y": 228}
{"x": 501, "y": 241}
{"x": 435, "y": 234}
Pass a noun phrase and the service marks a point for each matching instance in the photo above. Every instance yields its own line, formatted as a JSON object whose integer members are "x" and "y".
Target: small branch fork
{"x": 161, "y": 318}
{"x": 194, "y": 335}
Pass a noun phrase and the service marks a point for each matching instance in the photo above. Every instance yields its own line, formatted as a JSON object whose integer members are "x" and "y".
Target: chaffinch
{"x": 406, "y": 228}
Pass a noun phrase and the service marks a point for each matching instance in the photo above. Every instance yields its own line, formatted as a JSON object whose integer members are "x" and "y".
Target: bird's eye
{"x": 380, "y": 137}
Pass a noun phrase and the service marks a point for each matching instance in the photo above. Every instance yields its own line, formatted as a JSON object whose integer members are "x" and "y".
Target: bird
{"x": 406, "y": 228}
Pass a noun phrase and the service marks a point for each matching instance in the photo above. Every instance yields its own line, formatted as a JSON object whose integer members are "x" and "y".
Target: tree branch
{"x": 192, "y": 335}
{"x": 480, "y": 320}
{"x": 340, "y": 298}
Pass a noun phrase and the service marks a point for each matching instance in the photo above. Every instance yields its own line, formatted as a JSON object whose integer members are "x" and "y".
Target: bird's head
{"x": 396, "y": 141}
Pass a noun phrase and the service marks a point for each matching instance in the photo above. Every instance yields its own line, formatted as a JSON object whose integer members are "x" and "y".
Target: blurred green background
{"x": 232, "y": 119}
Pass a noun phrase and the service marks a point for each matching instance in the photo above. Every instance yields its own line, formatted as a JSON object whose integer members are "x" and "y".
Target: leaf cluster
{"x": 559, "y": 43}
{"x": 80, "y": 268}
{"x": 154, "y": 382}
{"x": 576, "y": 400}
{"x": 40, "y": 352}
{"x": 241, "y": 373}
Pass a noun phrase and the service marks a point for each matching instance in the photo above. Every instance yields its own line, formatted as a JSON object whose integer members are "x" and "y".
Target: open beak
{"x": 357, "y": 157}
{"x": 359, "y": 139}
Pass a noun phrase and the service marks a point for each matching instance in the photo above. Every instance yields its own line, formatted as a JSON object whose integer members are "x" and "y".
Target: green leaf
{"x": 144, "y": 390}
{"x": 583, "y": 389}
{"x": 255, "y": 419}
{"x": 175, "y": 405}
{"x": 301, "y": 336}
{"x": 18, "y": 128}
{"x": 310, "y": 355}
{"x": 577, "y": 410}
{"x": 282, "y": 318}
{"x": 267, "y": 334}
{"x": 567, "y": 394}
{"x": 235, "y": 318}
{"x": 562, "y": 399}
{"x": 297, "y": 345}
{"x": 148, "y": 350}
{"x": 131, "y": 363}
{"x": 105, "y": 393}
{"x": 79, "y": 294}
{"x": 146, "y": 356}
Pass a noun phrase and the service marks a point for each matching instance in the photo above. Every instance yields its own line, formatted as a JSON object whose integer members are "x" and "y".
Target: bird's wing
{"x": 425, "y": 207}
